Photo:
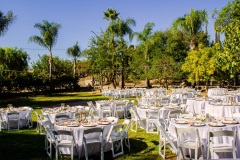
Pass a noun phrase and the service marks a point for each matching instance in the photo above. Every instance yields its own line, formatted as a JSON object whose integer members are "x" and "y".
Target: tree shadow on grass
{"x": 134, "y": 149}
{"x": 27, "y": 144}
{"x": 47, "y": 103}
{"x": 22, "y": 144}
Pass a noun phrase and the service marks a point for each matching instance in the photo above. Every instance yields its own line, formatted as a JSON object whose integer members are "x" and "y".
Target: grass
{"x": 27, "y": 144}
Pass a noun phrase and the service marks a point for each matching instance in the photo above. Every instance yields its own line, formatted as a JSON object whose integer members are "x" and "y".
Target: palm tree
{"x": 122, "y": 28}
{"x": 47, "y": 39}
{"x": 110, "y": 14}
{"x": 5, "y": 21}
{"x": 191, "y": 24}
{"x": 143, "y": 37}
{"x": 74, "y": 52}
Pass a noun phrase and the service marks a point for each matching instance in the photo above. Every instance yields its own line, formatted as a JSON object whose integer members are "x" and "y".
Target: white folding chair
{"x": 49, "y": 142}
{"x": 173, "y": 114}
{"x": 183, "y": 108}
{"x": 61, "y": 116}
{"x": 129, "y": 105}
{"x": 151, "y": 101}
{"x": 65, "y": 139}
{"x": 174, "y": 100}
{"x": 222, "y": 147}
{"x": 98, "y": 140}
{"x": 27, "y": 120}
{"x": 105, "y": 109}
{"x": 165, "y": 138}
{"x": 165, "y": 100}
{"x": 13, "y": 120}
{"x": 136, "y": 120}
{"x": 115, "y": 138}
{"x": 2, "y": 122}
{"x": 118, "y": 109}
{"x": 151, "y": 119}
{"x": 183, "y": 142}
{"x": 40, "y": 119}
{"x": 184, "y": 98}
{"x": 124, "y": 132}
{"x": 48, "y": 124}
{"x": 92, "y": 110}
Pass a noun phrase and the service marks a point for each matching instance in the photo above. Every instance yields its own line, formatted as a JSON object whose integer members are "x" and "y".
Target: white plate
{"x": 198, "y": 124}
{"x": 73, "y": 125}
{"x": 216, "y": 124}
{"x": 103, "y": 123}
{"x": 89, "y": 125}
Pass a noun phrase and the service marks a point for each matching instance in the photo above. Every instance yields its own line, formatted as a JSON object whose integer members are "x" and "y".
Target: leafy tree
{"x": 74, "y": 52}
{"x": 200, "y": 64}
{"x": 13, "y": 59}
{"x": 135, "y": 65}
{"x": 13, "y": 64}
{"x": 111, "y": 14}
{"x": 164, "y": 70}
{"x": 100, "y": 59}
{"x": 123, "y": 28}
{"x": 108, "y": 51}
{"x": 227, "y": 23}
{"x": 5, "y": 21}
{"x": 62, "y": 73}
{"x": 47, "y": 39}
{"x": 191, "y": 24}
{"x": 143, "y": 37}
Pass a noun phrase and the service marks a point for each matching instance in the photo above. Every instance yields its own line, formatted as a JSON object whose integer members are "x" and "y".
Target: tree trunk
{"x": 192, "y": 44}
{"x": 207, "y": 85}
{"x": 101, "y": 81}
{"x": 122, "y": 76}
{"x": 74, "y": 68}
{"x": 50, "y": 73}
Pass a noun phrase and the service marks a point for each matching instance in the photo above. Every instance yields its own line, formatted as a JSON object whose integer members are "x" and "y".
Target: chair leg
{"x": 86, "y": 152}
{"x": 208, "y": 152}
{"x": 182, "y": 152}
{"x": 50, "y": 150}
{"x": 127, "y": 142}
{"x": 56, "y": 153}
{"x": 102, "y": 152}
{"x": 196, "y": 153}
{"x": 72, "y": 153}
{"x": 234, "y": 154}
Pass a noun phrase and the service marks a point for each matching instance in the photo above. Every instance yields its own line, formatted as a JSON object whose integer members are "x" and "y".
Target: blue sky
{"x": 79, "y": 17}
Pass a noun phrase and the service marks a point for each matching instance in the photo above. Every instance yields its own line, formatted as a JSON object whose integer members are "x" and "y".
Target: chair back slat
{"x": 92, "y": 130}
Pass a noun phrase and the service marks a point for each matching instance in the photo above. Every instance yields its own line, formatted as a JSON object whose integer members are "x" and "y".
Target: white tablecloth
{"x": 217, "y": 91}
{"x": 163, "y": 112}
{"x": 78, "y": 133}
{"x": 22, "y": 115}
{"x": 203, "y": 133}
{"x": 196, "y": 105}
{"x": 112, "y": 104}
{"x": 225, "y": 110}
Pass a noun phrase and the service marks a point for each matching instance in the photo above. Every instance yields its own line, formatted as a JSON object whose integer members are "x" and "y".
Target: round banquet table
{"x": 112, "y": 104}
{"x": 222, "y": 109}
{"x": 203, "y": 133}
{"x": 196, "y": 105}
{"x": 22, "y": 114}
{"x": 78, "y": 134}
{"x": 217, "y": 91}
{"x": 163, "y": 111}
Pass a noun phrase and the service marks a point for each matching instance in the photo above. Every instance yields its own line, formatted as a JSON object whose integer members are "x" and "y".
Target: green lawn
{"x": 28, "y": 144}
